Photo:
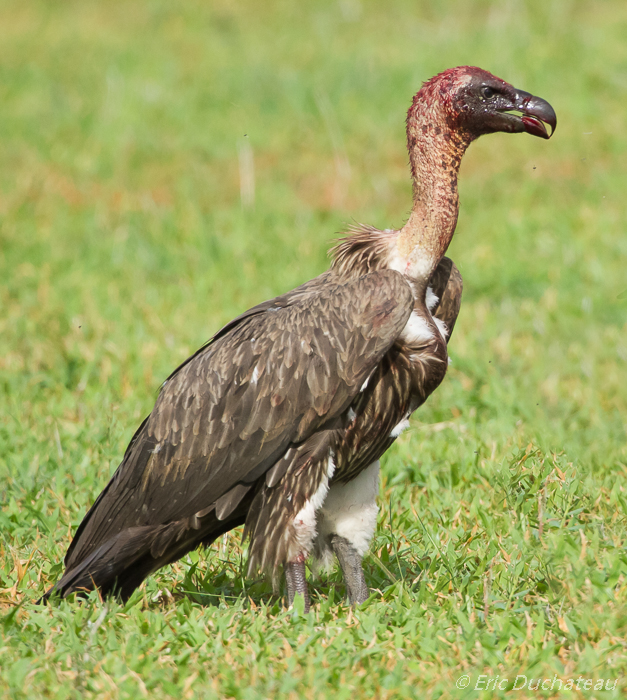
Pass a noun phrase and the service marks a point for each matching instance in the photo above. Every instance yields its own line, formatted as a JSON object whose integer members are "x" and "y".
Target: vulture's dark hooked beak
{"x": 535, "y": 113}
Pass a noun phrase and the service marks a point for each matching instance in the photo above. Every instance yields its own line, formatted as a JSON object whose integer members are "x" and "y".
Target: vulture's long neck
{"x": 435, "y": 153}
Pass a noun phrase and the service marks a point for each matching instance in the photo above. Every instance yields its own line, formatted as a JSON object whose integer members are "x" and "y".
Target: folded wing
{"x": 266, "y": 383}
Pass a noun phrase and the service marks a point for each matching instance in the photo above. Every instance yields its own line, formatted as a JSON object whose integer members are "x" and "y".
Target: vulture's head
{"x": 477, "y": 102}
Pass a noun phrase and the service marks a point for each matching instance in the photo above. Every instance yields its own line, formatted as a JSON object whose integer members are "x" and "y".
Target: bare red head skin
{"x": 477, "y": 102}
{"x": 449, "y": 112}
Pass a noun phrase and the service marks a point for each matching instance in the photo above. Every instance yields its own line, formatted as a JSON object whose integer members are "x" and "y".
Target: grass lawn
{"x": 164, "y": 166}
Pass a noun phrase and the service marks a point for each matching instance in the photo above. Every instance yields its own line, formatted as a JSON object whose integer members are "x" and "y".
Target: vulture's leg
{"x": 350, "y": 561}
{"x": 296, "y": 581}
{"x": 346, "y": 524}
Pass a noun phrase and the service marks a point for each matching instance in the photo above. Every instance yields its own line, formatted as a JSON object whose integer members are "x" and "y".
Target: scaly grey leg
{"x": 350, "y": 561}
{"x": 296, "y": 581}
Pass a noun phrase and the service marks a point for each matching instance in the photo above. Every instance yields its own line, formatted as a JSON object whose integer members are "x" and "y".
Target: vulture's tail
{"x": 121, "y": 564}
{"x": 117, "y": 566}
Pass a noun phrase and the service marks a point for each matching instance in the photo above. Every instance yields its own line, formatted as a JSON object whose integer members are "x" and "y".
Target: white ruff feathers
{"x": 441, "y": 327}
{"x": 416, "y": 330}
{"x": 398, "y": 429}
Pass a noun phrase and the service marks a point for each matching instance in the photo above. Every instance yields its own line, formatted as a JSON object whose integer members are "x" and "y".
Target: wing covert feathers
{"x": 257, "y": 403}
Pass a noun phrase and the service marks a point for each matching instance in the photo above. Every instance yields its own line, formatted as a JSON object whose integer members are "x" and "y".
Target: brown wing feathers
{"x": 447, "y": 285}
{"x": 228, "y": 415}
{"x": 281, "y": 496}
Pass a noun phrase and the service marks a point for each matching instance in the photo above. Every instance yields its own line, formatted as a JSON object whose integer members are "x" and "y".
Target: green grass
{"x": 124, "y": 245}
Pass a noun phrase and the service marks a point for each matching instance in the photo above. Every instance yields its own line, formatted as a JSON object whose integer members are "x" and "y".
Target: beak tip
{"x": 538, "y": 112}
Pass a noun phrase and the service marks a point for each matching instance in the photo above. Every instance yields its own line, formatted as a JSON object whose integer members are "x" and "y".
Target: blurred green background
{"x": 166, "y": 165}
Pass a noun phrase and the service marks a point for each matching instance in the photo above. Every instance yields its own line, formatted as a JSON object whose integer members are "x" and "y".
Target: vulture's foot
{"x": 296, "y": 582}
{"x": 350, "y": 561}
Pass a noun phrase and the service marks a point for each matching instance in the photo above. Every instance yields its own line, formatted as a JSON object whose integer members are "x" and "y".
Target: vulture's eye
{"x": 487, "y": 92}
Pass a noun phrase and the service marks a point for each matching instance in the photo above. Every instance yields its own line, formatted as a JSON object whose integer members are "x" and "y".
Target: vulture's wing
{"x": 267, "y": 381}
{"x": 447, "y": 285}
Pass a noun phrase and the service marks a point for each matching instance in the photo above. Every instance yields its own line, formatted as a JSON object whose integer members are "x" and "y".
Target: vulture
{"x": 279, "y": 421}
